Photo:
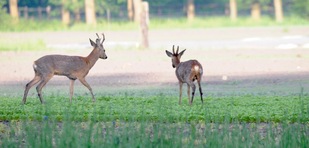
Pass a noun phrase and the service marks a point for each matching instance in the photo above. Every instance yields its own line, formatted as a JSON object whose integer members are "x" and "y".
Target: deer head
{"x": 175, "y": 56}
{"x": 99, "y": 46}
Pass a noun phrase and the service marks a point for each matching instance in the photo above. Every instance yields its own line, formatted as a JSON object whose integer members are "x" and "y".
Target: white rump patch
{"x": 196, "y": 68}
{"x": 34, "y": 66}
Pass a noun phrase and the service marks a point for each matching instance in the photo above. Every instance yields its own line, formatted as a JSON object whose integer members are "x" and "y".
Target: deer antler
{"x": 177, "y": 50}
{"x": 173, "y": 49}
{"x": 97, "y": 35}
{"x": 98, "y": 39}
{"x": 103, "y": 38}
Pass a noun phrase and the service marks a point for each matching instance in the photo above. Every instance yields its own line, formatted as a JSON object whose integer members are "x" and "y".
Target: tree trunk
{"x": 233, "y": 10}
{"x": 48, "y": 9}
{"x": 144, "y": 23}
{"x": 130, "y": 9}
{"x": 278, "y": 10}
{"x": 137, "y": 10}
{"x": 65, "y": 14}
{"x": 190, "y": 10}
{"x": 14, "y": 9}
{"x": 90, "y": 12}
{"x": 256, "y": 11}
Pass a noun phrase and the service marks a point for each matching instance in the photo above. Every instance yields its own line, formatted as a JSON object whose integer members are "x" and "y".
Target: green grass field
{"x": 156, "y": 120}
{"x": 161, "y": 108}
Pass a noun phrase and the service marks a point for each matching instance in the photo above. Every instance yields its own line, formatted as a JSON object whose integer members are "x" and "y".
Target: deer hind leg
{"x": 180, "y": 92}
{"x": 188, "y": 92}
{"x": 193, "y": 91}
{"x": 43, "y": 82}
{"x": 200, "y": 89}
{"x": 34, "y": 81}
{"x": 83, "y": 81}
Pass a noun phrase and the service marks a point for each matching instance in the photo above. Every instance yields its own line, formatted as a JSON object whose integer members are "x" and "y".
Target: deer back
{"x": 60, "y": 65}
{"x": 186, "y": 71}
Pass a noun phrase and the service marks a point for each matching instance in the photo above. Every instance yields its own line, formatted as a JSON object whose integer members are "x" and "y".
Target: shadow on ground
{"x": 151, "y": 84}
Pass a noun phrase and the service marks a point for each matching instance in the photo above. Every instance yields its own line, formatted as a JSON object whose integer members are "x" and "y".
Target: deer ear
{"x": 168, "y": 53}
{"x": 92, "y": 43}
{"x": 181, "y": 53}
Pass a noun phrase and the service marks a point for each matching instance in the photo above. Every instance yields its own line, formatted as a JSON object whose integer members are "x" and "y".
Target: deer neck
{"x": 92, "y": 57}
{"x": 177, "y": 62}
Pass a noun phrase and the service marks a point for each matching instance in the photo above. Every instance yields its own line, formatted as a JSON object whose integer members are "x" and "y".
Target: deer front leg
{"x": 34, "y": 81}
{"x": 71, "y": 90}
{"x": 83, "y": 81}
{"x": 180, "y": 92}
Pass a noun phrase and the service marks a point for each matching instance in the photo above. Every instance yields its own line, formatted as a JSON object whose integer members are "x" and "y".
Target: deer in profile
{"x": 73, "y": 67}
{"x": 186, "y": 72}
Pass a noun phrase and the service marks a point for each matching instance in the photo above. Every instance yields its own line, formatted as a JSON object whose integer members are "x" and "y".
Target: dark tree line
{"x": 90, "y": 8}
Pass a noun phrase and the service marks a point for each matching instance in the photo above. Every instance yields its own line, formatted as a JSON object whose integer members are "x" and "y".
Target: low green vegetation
{"x": 155, "y": 121}
{"x": 150, "y": 134}
{"x": 160, "y": 108}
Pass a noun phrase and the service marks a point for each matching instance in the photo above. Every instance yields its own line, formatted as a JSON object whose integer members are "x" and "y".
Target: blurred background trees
{"x": 301, "y": 7}
{"x": 76, "y": 11}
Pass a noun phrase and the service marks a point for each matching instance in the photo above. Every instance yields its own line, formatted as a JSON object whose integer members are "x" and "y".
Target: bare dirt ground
{"x": 247, "y": 60}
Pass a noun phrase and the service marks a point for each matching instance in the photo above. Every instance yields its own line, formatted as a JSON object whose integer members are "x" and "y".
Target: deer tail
{"x": 35, "y": 67}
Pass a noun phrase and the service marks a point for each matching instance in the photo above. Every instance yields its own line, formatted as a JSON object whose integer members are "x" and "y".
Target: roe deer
{"x": 73, "y": 67}
{"x": 186, "y": 72}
